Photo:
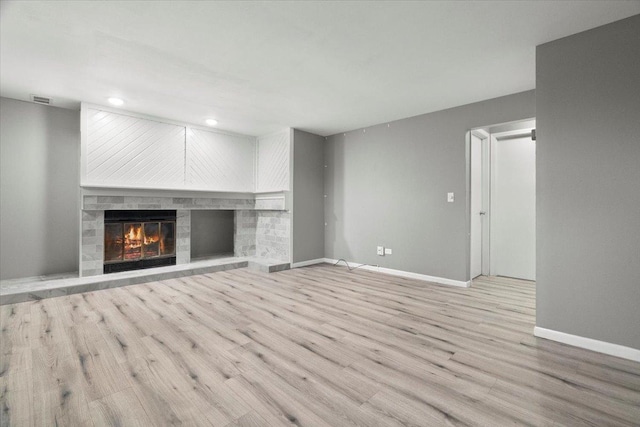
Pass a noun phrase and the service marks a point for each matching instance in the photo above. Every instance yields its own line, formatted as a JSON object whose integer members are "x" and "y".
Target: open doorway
{"x": 501, "y": 200}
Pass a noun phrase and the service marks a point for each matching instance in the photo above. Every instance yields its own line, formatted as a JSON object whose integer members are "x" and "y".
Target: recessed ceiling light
{"x": 211, "y": 122}
{"x": 116, "y": 101}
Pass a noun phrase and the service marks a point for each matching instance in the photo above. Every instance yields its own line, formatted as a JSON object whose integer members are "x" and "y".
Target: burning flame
{"x": 151, "y": 239}
{"x": 143, "y": 240}
{"x": 133, "y": 241}
{"x": 134, "y": 235}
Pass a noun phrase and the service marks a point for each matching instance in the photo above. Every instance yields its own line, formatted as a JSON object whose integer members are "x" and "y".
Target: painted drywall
{"x": 588, "y": 189}
{"x": 39, "y": 178}
{"x": 388, "y": 184}
{"x": 211, "y": 233}
{"x": 308, "y": 196}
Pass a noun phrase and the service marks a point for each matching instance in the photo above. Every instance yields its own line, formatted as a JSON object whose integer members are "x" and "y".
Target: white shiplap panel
{"x": 220, "y": 162}
{"x": 273, "y": 162}
{"x": 131, "y": 151}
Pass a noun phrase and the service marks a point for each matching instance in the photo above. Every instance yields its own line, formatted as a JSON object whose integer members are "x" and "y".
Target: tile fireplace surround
{"x": 262, "y": 226}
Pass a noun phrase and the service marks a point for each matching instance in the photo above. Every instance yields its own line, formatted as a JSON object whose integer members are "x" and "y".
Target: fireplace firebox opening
{"x": 139, "y": 239}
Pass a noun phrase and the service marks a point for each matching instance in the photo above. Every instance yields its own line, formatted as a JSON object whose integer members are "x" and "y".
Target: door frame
{"x": 486, "y": 133}
{"x": 485, "y": 229}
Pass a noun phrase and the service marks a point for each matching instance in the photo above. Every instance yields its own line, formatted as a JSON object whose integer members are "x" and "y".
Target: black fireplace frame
{"x": 133, "y": 216}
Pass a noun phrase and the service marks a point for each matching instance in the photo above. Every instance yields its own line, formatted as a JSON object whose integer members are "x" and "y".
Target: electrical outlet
{"x": 450, "y": 197}
{"x": 388, "y": 251}
{"x": 381, "y": 250}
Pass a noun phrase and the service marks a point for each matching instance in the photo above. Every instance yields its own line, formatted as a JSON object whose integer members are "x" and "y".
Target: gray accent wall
{"x": 39, "y": 207}
{"x": 387, "y": 185}
{"x": 588, "y": 192}
{"x": 308, "y": 196}
{"x": 211, "y": 233}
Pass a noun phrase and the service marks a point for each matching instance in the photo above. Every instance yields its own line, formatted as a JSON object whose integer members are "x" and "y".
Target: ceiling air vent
{"x": 41, "y": 100}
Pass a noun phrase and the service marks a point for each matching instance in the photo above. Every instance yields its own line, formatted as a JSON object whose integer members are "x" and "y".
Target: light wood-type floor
{"x": 316, "y": 346}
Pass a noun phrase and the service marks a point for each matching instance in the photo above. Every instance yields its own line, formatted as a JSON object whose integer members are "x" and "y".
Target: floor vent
{"x": 41, "y": 100}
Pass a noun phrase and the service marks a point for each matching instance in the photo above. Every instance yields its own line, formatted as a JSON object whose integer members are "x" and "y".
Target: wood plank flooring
{"x": 315, "y": 346}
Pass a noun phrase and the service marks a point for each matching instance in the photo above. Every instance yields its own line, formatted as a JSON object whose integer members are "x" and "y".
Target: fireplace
{"x": 139, "y": 239}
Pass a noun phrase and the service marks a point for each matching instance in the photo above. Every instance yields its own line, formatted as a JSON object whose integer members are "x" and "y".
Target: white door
{"x": 513, "y": 207}
{"x": 476, "y": 206}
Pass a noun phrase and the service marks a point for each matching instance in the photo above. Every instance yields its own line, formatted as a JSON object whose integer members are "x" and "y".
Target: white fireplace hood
{"x": 127, "y": 152}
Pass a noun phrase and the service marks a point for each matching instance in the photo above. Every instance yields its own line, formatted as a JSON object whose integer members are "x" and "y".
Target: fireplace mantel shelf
{"x": 103, "y": 189}
{"x": 138, "y": 187}
{"x": 263, "y": 202}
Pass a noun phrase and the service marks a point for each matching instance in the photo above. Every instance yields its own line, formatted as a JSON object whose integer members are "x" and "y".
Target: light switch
{"x": 450, "y": 197}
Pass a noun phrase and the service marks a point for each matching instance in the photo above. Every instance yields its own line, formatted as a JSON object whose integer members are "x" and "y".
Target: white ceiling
{"x": 257, "y": 67}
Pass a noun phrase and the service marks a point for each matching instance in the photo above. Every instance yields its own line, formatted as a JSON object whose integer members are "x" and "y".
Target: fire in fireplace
{"x": 139, "y": 239}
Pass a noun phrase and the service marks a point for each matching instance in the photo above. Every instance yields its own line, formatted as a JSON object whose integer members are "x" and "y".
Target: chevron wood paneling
{"x": 220, "y": 161}
{"x": 273, "y": 162}
{"x": 125, "y": 150}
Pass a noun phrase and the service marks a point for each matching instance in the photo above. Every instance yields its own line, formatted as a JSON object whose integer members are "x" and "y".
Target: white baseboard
{"x": 588, "y": 343}
{"x": 407, "y": 274}
{"x": 309, "y": 262}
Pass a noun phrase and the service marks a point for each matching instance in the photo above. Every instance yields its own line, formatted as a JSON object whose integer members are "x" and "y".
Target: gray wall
{"x": 39, "y": 210}
{"x": 308, "y": 196}
{"x": 588, "y": 210}
{"x": 387, "y": 185}
{"x": 211, "y": 233}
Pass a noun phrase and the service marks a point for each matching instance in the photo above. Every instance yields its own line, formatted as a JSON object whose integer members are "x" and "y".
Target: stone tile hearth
{"x": 36, "y": 288}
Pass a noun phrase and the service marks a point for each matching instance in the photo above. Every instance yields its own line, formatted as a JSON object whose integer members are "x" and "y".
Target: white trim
{"x": 270, "y": 196}
{"x": 289, "y": 199}
{"x": 588, "y": 343}
{"x": 486, "y": 205}
{"x": 182, "y": 189}
{"x": 309, "y": 262}
{"x": 492, "y": 201}
{"x": 159, "y": 192}
{"x": 480, "y": 133}
{"x": 407, "y": 274}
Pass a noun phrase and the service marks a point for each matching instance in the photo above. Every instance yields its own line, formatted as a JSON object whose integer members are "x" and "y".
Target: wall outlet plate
{"x": 381, "y": 250}
{"x": 388, "y": 251}
{"x": 450, "y": 197}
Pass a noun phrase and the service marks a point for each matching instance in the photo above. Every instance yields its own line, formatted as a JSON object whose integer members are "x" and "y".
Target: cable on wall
{"x": 353, "y": 268}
